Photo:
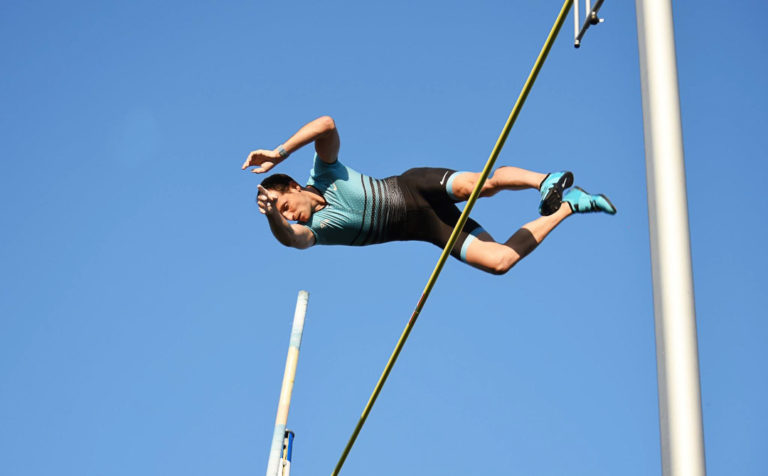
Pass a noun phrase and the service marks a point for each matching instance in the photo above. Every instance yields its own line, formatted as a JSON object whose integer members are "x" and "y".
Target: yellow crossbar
{"x": 459, "y": 226}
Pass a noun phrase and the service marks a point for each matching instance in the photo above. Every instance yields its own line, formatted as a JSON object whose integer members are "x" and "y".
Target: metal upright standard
{"x": 276, "y": 452}
{"x": 287, "y": 453}
{"x": 459, "y": 225}
{"x": 590, "y": 18}
{"x": 682, "y": 440}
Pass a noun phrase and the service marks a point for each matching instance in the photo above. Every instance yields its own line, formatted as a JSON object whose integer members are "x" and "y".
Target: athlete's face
{"x": 294, "y": 205}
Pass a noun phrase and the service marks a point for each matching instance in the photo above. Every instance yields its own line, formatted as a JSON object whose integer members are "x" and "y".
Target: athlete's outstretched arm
{"x": 322, "y": 131}
{"x": 294, "y": 235}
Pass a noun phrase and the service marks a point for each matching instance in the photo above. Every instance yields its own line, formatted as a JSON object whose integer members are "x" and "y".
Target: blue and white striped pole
{"x": 289, "y": 377}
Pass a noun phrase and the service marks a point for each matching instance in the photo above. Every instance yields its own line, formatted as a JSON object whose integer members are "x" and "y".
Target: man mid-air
{"x": 340, "y": 206}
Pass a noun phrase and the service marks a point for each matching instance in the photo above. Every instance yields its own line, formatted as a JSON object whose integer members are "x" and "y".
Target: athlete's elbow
{"x": 301, "y": 245}
{"x": 285, "y": 242}
{"x": 327, "y": 123}
{"x": 284, "y": 239}
{"x": 502, "y": 265}
{"x": 297, "y": 241}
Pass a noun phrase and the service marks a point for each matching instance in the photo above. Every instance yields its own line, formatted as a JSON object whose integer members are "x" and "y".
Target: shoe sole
{"x": 552, "y": 201}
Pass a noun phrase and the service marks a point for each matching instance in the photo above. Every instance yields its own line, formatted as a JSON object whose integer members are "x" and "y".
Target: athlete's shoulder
{"x": 323, "y": 171}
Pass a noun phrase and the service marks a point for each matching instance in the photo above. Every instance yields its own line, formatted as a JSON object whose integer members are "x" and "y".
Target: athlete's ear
{"x": 294, "y": 187}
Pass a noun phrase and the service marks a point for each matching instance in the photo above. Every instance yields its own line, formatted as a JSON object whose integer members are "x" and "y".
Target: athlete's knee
{"x": 502, "y": 262}
{"x": 463, "y": 184}
{"x": 464, "y": 188}
{"x": 492, "y": 185}
{"x": 502, "y": 267}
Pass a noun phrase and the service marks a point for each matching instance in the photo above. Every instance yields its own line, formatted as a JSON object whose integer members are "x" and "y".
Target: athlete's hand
{"x": 263, "y": 160}
{"x": 267, "y": 200}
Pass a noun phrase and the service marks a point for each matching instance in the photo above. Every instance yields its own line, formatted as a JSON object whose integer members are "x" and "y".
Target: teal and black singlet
{"x": 362, "y": 210}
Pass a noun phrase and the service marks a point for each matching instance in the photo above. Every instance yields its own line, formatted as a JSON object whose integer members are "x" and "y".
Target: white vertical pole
{"x": 287, "y": 389}
{"x": 682, "y": 441}
{"x": 576, "y": 22}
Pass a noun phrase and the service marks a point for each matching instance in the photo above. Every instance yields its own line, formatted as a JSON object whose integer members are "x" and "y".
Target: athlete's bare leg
{"x": 505, "y": 178}
{"x": 498, "y": 258}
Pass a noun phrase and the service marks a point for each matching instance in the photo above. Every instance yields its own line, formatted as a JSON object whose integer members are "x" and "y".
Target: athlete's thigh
{"x": 429, "y": 184}
{"x": 442, "y": 224}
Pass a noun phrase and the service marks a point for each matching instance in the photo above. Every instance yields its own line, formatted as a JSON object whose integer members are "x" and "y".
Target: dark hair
{"x": 278, "y": 182}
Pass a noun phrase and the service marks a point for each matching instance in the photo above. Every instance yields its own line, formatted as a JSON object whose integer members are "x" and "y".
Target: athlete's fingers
{"x": 263, "y": 167}
{"x": 272, "y": 196}
{"x": 249, "y": 161}
{"x": 254, "y": 158}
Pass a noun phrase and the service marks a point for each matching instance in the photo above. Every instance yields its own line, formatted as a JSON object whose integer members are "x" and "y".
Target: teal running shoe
{"x": 582, "y": 202}
{"x": 552, "y": 191}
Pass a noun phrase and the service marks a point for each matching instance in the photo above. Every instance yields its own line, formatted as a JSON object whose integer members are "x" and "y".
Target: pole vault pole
{"x": 677, "y": 356}
{"x": 286, "y": 391}
{"x": 457, "y": 229}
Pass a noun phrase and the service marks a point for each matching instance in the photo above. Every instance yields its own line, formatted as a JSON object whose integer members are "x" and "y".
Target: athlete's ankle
{"x": 538, "y": 187}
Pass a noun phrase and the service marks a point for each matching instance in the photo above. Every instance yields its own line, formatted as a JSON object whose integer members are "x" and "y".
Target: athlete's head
{"x": 291, "y": 202}
{"x": 278, "y": 182}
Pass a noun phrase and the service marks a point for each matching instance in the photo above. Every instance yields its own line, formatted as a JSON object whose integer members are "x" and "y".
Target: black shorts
{"x": 430, "y": 212}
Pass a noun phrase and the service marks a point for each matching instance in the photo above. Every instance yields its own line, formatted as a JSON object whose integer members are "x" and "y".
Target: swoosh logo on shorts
{"x": 443, "y": 179}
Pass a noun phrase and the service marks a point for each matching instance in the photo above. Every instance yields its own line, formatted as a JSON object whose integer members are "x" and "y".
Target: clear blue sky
{"x": 145, "y": 308}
